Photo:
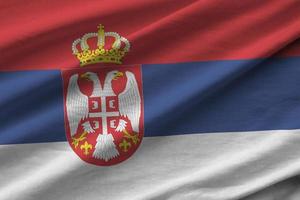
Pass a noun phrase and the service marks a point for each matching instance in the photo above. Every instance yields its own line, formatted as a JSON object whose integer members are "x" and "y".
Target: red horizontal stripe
{"x": 38, "y": 34}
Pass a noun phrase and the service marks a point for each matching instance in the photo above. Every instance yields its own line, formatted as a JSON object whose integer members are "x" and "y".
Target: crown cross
{"x": 114, "y": 54}
{"x": 100, "y": 27}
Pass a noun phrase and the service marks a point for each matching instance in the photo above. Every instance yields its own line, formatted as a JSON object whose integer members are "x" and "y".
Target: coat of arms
{"x": 103, "y": 105}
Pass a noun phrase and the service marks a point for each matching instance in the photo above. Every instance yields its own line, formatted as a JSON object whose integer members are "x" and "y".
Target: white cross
{"x": 104, "y": 115}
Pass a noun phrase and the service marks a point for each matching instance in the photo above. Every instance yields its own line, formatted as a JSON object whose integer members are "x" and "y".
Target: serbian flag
{"x": 149, "y": 100}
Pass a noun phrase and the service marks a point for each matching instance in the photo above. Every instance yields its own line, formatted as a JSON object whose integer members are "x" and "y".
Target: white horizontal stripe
{"x": 216, "y": 166}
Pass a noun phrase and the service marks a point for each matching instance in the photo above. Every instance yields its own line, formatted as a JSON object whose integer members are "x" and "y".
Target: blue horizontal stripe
{"x": 216, "y": 96}
{"x": 31, "y": 107}
{"x": 223, "y": 96}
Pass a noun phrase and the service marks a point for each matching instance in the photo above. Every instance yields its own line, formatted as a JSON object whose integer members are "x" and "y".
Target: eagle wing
{"x": 77, "y": 104}
{"x": 130, "y": 102}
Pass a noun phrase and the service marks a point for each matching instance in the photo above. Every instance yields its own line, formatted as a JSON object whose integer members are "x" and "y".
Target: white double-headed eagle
{"x": 77, "y": 105}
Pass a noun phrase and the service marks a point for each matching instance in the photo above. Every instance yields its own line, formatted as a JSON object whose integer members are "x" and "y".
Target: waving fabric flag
{"x": 149, "y": 99}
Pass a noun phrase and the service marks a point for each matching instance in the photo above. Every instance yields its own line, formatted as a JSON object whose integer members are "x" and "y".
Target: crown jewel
{"x": 90, "y": 56}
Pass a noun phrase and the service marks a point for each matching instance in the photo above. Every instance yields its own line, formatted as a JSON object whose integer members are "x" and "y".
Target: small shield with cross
{"x": 103, "y": 112}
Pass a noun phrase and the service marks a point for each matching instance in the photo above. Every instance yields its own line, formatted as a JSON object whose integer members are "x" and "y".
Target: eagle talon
{"x": 133, "y": 137}
{"x": 75, "y": 141}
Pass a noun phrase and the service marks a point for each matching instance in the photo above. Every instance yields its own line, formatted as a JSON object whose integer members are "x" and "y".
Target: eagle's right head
{"x": 89, "y": 76}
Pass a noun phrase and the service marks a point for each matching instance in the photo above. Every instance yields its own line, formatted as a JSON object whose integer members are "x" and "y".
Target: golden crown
{"x": 90, "y": 56}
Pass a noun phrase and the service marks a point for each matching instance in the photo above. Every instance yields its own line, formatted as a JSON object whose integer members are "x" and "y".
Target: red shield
{"x": 104, "y": 114}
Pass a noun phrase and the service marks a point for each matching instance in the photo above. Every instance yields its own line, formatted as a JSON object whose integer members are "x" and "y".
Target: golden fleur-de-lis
{"x": 124, "y": 145}
{"x": 86, "y": 147}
